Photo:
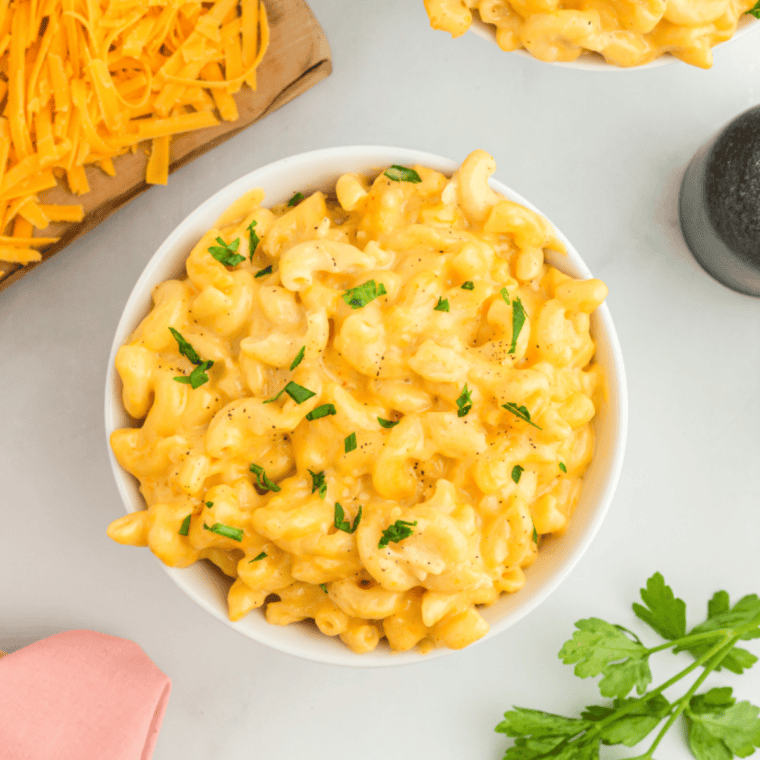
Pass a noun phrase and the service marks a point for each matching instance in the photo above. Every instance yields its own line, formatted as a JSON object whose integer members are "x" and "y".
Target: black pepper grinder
{"x": 720, "y": 205}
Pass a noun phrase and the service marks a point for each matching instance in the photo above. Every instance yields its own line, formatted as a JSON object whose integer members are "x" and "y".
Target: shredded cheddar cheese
{"x": 88, "y": 80}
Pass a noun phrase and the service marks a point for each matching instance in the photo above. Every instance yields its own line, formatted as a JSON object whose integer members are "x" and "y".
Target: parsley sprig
{"x": 396, "y": 532}
{"x": 227, "y": 254}
{"x": 345, "y": 525}
{"x": 253, "y": 242}
{"x": 464, "y": 402}
{"x": 361, "y": 295}
{"x": 198, "y": 376}
{"x": 755, "y": 11}
{"x": 719, "y": 727}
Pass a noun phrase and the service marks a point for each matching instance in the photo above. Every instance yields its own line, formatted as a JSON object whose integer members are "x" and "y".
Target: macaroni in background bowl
{"x": 320, "y": 170}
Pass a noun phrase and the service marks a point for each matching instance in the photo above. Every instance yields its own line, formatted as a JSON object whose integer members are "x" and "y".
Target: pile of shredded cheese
{"x": 84, "y": 81}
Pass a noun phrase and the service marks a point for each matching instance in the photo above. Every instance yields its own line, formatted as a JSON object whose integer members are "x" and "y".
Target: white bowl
{"x": 594, "y": 61}
{"x": 207, "y": 586}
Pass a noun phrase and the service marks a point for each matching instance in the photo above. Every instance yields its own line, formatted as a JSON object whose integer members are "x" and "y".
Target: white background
{"x": 602, "y": 156}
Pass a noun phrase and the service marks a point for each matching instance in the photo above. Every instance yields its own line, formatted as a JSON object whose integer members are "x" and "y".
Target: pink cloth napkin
{"x": 80, "y": 695}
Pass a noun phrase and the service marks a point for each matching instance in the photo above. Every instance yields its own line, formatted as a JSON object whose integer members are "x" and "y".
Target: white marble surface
{"x": 602, "y": 156}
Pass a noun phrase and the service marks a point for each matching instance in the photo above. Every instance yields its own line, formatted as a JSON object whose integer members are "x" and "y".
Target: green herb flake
{"x": 262, "y": 479}
{"x": 318, "y": 483}
{"x": 442, "y": 305}
{"x": 185, "y": 349}
{"x": 321, "y": 411}
{"x": 562, "y": 467}
{"x": 236, "y": 534}
{"x": 345, "y": 525}
{"x": 299, "y": 358}
{"x": 521, "y": 412}
{"x": 349, "y": 443}
{"x": 296, "y": 199}
{"x": 197, "y": 377}
{"x": 505, "y": 296}
{"x": 264, "y": 272}
{"x": 469, "y": 285}
{"x": 185, "y": 527}
{"x": 387, "y": 423}
{"x": 518, "y": 320}
{"x": 323, "y": 587}
{"x": 297, "y": 392}
{"x": 755, "y": 11}
{"x": 396, "y": 532}
{"x": 403, "y": 174}
{"x": 464, "y": 402}
{"x": 258, "y": 557}
{"x": 535, "y": 534}
{"x": 361, "y": 295}
{"x": 517, "y": 472}
{"x": 227, "y": 254}
{"x": 209, "y": 504}
{"x": 253, "y": 242}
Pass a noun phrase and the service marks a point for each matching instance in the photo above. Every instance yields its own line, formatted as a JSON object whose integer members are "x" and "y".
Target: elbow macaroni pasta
{"x": 478, "y": 486}
{"x": 625, "y": 32}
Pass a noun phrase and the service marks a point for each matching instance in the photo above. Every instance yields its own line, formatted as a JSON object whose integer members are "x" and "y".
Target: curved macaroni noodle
{"x": 366, "y": 411}
{"x": 625, "y": 32}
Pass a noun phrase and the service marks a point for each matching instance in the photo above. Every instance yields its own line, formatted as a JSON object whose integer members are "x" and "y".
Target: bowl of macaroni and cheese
{"x": 378, "y": 394}
{"x": 600, "y": 35}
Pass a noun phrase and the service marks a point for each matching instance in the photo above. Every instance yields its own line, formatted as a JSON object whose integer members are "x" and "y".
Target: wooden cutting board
{"x": 298, "y": 57}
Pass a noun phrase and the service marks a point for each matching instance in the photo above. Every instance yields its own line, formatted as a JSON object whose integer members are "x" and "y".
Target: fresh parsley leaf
{"x": 633, "y": 726}
{"x": 185, "y": 527}
{"x": 297, "y": 392}
{"x": 442, "y": 305}
{"x": 562, "y": 467}
{"x": 600, "y": 648}
{"x": 318, "y": 483}
{"x": 505, "y": 296}
{"x": 321, "y": 411}
{"x": 349, "y": 443}
{"x": 299, "y": 358}
{"x": 296, "y": 199}
{"x": 253, "y": 242}
{"x": 664, "y": 612}
{"x": 517, "y": 472}
{"x": 197, "y": 377}
{"x": 402, "y": 174}
{"x": 396, "y": 532}
{"x": 720, "y": 726}
{"x": 236, "y": 534}
{"x": 518, "y": 320}
{"x": 209, "y": 504}
{"x": 521, "y": 412}
{"x": 387, "y": 423}
{"x": 185, "y": 349}
{"x": 262, "y": 479}
{"x": 464, "y": 402}
{"x": 227, "y": 254}
{"x": 258, "y": 557}
{"x": 755, "y": 11}
{"x": 323, "y": 587}
{"x": 264, "y": 272}
{"x": 345, "y": 525}
{"x": 361, "y": 295}
{"x": 469, "y": 285}
{"x": 520, "y": 721}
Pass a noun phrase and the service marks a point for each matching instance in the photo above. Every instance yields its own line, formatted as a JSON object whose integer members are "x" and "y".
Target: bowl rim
{"x": 594, "y": 61}
{"x": 376, "y": 156}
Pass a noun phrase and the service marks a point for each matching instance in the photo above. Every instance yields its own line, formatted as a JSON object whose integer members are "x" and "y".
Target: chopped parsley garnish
{"x": 755, "y": 11}
{"x": 387, "y": 423}
{"x": 297, "y": 392}
{"x": 469, "y": 285}
{"x": 227, "y": 254}
{"x": 361, "y": 295}
{"x": 518, "y": 320}
{"x": 535, "y": 534}
{"x": 323, "y": 587}
{"x": 264, "y": 272}
{"x": 318, "y": 483}
{"x": 209, "y": 504}
{"x": 258, "y": 557}
{"x": 403, "y": 174}
{"x": 299, "y": 358}
{"x": 349, "y": 443}
{"x": 345, "y": 525}
{"x": 197, "y": 377}
{"x": 464, "y": 402}
{"x": 521, "y": 412}
{"x": 253, "y": 241}
{"x": 505, "y": 296}
{"x": 442, "y": 305}
{"x": 262, "y": 479}
{"x": 517, "y": 472}
{"x": 185, "y": 527}
{"x": 236, "y": 534}
{"x": 400, "y": 530}
{"x": 185, "y": 349}
{"x": 321, "y": 411}
{"x": 562, "y": 467}
{"x": 297, "y": 198}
